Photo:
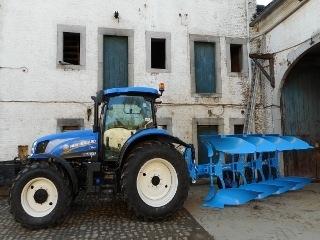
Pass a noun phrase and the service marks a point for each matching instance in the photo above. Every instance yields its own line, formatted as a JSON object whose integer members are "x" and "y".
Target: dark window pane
{"x": 238, "y": 129}
{"x": 236, "y": 57}
{"x": 71, "y": 48}
{"x": 158, "y": 53}
{"x": 70, "y": 128}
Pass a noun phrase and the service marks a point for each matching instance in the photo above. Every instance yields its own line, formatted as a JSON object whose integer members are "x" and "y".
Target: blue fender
{"x": 64, "y": 163}
{"x": 147, "y": 135}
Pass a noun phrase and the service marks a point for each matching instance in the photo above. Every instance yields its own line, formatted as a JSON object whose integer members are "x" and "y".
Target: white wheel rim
{"x": 157, "y": 182}
{"x": 29, "y": 195}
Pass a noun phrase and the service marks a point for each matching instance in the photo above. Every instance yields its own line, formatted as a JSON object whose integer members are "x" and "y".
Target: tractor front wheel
{"x": 155, "y": 181}
{"x": 40, "y": 195}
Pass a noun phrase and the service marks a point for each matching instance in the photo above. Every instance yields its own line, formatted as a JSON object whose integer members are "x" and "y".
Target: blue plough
{"x": 246, "y": 167}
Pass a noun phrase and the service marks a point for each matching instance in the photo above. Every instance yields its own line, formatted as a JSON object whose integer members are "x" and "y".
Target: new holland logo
{"x": 67, "y": 148}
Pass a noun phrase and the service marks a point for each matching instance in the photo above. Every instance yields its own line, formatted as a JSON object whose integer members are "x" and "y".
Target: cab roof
{"x": 131, "y": 90}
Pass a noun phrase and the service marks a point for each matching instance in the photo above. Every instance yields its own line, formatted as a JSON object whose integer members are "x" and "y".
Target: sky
{"x": 263, "y": 2}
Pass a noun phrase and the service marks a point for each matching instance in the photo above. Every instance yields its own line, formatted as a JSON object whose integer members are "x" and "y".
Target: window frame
{"x": 216, "y": 41}
{"x": 69, "y": 122}
{"x": 233, "y": 122}
{"x": 115, "y": 32}
{"x": 236, "y": 57}
{"x": 165, "y": 122}
{"x": 158, "y": 35}
{"x": 244, "y": 58}
{"x": 61, "y": 29}
{"x": 205, "y": 121}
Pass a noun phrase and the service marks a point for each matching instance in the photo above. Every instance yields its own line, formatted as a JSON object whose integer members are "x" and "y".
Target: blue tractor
{"x": 124, "y": 153}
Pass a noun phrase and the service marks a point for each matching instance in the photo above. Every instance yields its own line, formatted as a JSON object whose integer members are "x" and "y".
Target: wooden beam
{"x": 268, "y": 56}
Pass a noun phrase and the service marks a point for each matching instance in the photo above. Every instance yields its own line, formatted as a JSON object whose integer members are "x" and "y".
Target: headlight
{"x": 40, "y": 147}
{"x": 33, "y": 147}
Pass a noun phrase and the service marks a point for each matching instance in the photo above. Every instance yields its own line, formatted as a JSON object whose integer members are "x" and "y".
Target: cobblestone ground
{"x": 94, "y": 218}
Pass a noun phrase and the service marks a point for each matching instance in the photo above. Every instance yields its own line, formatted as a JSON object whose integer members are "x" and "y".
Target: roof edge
{"x": 267, "y": 10}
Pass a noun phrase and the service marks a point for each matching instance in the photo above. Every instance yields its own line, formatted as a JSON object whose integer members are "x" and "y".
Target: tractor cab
{"x": 122, "y": 117}
{"x": 124, "y": 112}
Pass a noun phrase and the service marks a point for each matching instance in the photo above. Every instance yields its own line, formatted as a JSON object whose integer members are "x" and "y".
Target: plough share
{"x": 244, "y": 167}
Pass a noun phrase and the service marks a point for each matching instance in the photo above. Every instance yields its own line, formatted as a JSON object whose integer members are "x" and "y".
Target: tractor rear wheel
{"x": 40, "y": 195}
{"x": 155, "y": 181}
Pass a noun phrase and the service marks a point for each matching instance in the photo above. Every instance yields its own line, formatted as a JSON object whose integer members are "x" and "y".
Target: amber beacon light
{"x": 161, "y": 88}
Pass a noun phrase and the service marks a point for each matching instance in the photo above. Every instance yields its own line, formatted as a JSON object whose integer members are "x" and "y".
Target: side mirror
{"x": 97, "y": 101}
{"x": 99, "y": 97}
{"x": 95, "y": 128}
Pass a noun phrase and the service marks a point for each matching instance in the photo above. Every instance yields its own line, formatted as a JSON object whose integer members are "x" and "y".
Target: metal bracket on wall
{"x": 268, "y": 56}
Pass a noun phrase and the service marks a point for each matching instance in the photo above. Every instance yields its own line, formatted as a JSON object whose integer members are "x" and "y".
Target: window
{"x": 204, "y": 58}
{"x": 237, "y": 56}
{"x": 238, "y": 129}
{"x": 205, "y": 65}
{"x": 116, "y": 40}
{"x": 165, "y": 123}
{"x": 70, "y": 124}
{"x": 204, "y": 126}
{"x": 115, "y": 61}
{"x": 70, "y": 128}
{"x": 158, "y": 51}
{"x": 71, "y": 51}
{"x": 125, "y": 116}
{"x": 71, "y": 48}
{"x": 129, "y": 112}
{"x": 236, "y": 125}
{"x": 202, "y": 150}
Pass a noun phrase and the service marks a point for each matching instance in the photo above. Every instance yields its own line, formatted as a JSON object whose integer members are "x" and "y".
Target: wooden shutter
{"x": 205, "y": 79}
{"x": 115, "y": 61}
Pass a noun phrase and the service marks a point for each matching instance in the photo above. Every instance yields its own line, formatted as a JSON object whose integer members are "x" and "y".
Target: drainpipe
{"x": 248, "y": 41}
{"x": 249, "y": 66}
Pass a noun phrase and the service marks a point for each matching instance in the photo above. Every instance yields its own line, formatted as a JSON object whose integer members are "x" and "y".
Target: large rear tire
{"x": 40, "y": 195}
{"x": 155, "y": 181}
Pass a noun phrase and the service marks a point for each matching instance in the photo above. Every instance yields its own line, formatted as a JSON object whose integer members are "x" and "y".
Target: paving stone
{"x": 94, "y": 218}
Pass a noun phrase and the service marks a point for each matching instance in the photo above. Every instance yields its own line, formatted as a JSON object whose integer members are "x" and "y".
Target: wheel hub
{"x": 40, "y": 196}
{"x": 155, "y": 180}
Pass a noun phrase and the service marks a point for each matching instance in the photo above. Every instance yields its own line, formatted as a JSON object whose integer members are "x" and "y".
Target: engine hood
{"x": 74, "y": 143}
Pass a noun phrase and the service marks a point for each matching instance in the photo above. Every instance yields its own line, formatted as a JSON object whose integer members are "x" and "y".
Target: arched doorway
{"x": 300, "y": 100}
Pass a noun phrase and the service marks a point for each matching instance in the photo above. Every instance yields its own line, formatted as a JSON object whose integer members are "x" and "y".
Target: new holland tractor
{"x": 126, "y": 155}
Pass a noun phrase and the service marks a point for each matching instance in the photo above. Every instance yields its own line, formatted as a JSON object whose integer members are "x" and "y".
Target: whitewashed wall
{"x": 288, "y": 41}
{"x": 34, "y": 93}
